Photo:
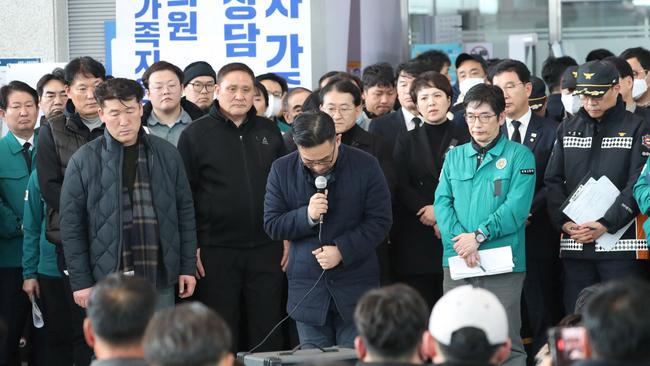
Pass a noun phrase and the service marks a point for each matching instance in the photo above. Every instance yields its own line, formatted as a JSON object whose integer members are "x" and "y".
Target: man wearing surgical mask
{"x": 277, "y": 89}
{"x": 570, "y": 101}
{"x": 639, "y": 60}
{"x": 627, "y": 81}
{"x": 470, "y": 70}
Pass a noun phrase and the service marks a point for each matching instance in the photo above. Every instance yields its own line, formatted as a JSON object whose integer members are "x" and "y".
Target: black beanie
{"x": 196, "y": 69}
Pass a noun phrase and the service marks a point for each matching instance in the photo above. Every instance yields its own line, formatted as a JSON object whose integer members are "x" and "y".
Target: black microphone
{"x": 321, "y": 184}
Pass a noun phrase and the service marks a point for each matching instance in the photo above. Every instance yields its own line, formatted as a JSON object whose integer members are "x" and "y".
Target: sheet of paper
{"x": 591, "y": 202}
{"x": 607, "y": 240}
{"x": 494, "y": 261}
{"x": 37, "y": 316}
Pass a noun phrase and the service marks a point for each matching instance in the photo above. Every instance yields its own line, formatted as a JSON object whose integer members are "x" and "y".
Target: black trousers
{"x": 56, "y": 312}
{"x": 428, "y": 285}
{"x": 245, "y": 283}
{"x": 15, "y": 310}
{"x": 542, "y": 299}
{"x": 82, "y": 354}
{"x": 581, "y": 273}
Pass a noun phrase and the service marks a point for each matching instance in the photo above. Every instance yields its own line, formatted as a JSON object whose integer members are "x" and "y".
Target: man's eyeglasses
{"x": 511, "y": 86}
{"x": 325, "y": 161}
{"x": 331, "y": 110}
{"x": 483, "y": 118}
{"x": 198, "y": 87}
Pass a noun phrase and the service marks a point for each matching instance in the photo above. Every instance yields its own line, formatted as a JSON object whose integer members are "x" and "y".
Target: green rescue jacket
{"x": 495, "y": 198}
{"x": 13, "y": 181}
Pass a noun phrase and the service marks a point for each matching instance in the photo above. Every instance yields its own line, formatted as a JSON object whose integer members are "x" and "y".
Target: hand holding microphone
{"x": 318, "y": 202}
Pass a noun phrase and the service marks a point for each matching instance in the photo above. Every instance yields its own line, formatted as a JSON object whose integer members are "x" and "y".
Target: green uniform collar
{"x": 495, "y": 150}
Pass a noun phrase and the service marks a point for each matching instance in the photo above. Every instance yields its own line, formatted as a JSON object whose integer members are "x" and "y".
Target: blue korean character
{"x": 230, "y": 33}
{"x": 179, "y": 23}
{"x": 143, "y": 54}
{"x": 147, "y": 32}
{"x": 289, "y": 77}
{"x": 277, "y": 5}
{"x": 240, "y": 12}
{"x": 241, "y": 49}
{"x": 153, "y": 4}
{"x": 282, "y": 49}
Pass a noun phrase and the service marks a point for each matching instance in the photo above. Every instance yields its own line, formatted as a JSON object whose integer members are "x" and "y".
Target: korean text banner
{"x": 268, "y": 35}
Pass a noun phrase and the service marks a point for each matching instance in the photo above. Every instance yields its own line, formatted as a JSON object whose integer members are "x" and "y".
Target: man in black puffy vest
{"x": 59, "y": 138}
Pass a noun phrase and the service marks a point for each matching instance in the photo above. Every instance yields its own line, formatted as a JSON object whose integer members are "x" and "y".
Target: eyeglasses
{"x": 325, "y": 161}
{"x": 331, "y": 110}
{"x": 198, "y": 87}
{"x": 511, "y": 86}
{"x": 160, "y": 88}
{"x": 483, "y": 118}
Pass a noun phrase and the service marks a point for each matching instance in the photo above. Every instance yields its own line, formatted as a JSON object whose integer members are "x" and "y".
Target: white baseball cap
{"x": 469, "y": 306}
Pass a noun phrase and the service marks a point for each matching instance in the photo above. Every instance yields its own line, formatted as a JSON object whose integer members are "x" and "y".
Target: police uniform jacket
{"x": 615, "y": 147}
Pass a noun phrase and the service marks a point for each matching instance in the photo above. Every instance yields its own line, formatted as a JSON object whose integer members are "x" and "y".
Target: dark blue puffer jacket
{"x": 91, "y": 214}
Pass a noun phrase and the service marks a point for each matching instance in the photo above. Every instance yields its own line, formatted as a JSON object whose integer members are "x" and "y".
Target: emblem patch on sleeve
{"x": 645, "y": 140}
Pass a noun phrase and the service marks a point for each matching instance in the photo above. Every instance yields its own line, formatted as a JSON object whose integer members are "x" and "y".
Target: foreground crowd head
{"x": 617, "y": 322}
{"x": 391, "y": 322}
{"x": 119, "y": 309}
{"x": 189, "y": 335}
{"x": 469, "y": 325}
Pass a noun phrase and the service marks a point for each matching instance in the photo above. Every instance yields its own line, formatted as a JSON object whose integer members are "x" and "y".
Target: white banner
{"x": 267, "y": 35}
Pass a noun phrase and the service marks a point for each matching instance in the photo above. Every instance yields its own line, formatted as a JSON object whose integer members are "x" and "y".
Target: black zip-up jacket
{"x": 227, "y": 167}
{"x": 616, "y": 147}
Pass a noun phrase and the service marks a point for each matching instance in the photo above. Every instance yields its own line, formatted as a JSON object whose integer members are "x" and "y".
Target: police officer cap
{"x": 569, "y": 78}
{"x": 196, "y": 69}
{"x": 466, "y": 57}
{"x": 537, "y": 96}
{"x": 595, "y": 78}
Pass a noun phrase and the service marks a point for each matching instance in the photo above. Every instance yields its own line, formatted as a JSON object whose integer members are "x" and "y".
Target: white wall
{"x": 34, "y": 28}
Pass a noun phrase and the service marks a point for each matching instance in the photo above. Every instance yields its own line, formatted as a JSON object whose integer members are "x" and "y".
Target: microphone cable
{"x": 320, "y": 227}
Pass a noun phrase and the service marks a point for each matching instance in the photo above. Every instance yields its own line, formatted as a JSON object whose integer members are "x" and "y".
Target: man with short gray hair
{"x": 119, "y": 309}
{"x": 191, "y": 334}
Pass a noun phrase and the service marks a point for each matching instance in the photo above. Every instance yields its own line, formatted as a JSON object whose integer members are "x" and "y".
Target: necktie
{"x": 417, "y": 121}
{"x": 516, "y": 135}
{"x": 27, "y": 155}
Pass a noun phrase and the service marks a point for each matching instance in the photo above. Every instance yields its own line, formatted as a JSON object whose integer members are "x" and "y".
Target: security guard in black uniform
{"x": 601, "y": 139}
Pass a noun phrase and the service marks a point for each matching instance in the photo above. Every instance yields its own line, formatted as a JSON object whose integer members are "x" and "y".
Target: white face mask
{"x": 468, "y": 83}
{"x": 275, "y": 105}
{"x": 571, "y": 103}
{"x": 639, "y": 88}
